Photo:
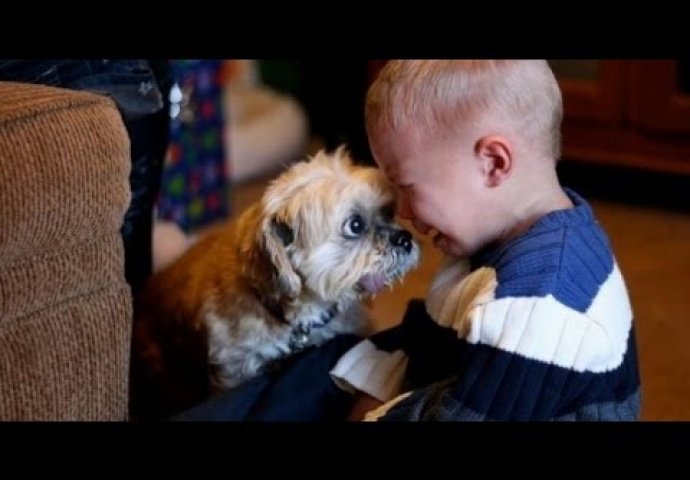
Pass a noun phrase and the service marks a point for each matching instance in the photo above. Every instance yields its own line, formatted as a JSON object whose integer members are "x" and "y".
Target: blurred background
{"x": 626, "y": 147}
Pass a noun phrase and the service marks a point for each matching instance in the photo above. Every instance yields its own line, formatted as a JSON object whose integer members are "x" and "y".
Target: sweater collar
{"x": 580, "y": 213}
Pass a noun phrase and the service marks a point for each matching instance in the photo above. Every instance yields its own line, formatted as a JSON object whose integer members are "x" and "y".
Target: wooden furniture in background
{"x": 633, "y": 113}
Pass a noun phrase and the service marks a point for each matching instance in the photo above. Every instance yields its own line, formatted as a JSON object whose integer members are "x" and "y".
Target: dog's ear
{"x": 277, "y": 237}
{"x": 342, "y": 154}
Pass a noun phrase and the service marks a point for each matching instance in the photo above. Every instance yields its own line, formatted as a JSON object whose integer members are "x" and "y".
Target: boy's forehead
{"x": 403, "y": 155}
{"x": 396, "y": 159}
{"x": 399, "y": 169}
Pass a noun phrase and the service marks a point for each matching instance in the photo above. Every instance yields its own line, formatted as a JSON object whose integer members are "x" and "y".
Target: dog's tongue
{"x": 373, "y": 282}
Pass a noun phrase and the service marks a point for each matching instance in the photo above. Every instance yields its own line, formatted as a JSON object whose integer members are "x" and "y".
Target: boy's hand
{"x": 363, "y": 403}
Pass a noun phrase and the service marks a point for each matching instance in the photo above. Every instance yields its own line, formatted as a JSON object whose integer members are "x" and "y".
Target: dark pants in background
{"x": 140, "y": 88}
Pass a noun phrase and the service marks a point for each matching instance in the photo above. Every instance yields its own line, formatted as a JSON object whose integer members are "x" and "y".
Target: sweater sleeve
{"x": 367, "y": 369}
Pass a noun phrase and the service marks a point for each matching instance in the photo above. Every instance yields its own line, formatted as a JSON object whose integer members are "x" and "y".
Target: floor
{"x": 652, "y": 248}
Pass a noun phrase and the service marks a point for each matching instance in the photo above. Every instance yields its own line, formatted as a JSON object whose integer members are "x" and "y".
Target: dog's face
{"x": 328, "y": 228}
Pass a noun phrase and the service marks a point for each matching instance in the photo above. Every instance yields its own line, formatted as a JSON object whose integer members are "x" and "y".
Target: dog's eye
{"x": 354, "y": 227}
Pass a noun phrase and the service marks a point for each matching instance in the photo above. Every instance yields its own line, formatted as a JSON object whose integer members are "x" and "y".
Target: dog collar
{"x": 300, "y": 334}
{"x": 299, "y": 337}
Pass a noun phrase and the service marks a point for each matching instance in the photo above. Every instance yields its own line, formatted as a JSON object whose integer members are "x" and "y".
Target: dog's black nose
{"x": 402, "y": 238}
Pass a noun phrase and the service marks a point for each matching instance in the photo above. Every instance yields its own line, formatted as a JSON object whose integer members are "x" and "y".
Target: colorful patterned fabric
{"x": 194, "y": 186}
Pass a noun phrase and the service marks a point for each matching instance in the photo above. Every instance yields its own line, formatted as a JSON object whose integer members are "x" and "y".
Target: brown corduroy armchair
{"x": 65, "y": 307}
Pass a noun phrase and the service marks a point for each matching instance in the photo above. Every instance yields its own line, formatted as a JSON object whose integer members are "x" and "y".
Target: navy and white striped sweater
{"x": 537, "y": 329}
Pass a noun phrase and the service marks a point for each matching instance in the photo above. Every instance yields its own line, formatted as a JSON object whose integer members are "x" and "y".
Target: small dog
{"x": 290, "y": 272}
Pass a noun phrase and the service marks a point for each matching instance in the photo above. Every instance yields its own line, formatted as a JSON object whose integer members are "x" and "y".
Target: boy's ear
{"x": 496, "y": 157}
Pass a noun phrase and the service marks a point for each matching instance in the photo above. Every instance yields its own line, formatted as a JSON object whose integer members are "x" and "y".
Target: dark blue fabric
{"x": 132, "y": 83}
{"x": 566, "y": 254}
{"x": 301, "y": 389}
{"x": 493, "y": 383}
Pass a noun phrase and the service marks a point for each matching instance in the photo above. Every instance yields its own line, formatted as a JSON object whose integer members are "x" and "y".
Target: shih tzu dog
{"x": 289, "y": 272}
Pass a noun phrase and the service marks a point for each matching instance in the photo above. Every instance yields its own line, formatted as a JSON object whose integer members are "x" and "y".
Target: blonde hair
{"x": 428, "y": 94}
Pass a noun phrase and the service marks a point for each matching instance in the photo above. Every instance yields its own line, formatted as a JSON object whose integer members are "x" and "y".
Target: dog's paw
{"x": 299, "y": 338}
